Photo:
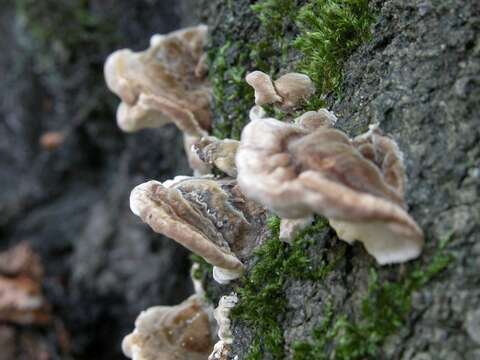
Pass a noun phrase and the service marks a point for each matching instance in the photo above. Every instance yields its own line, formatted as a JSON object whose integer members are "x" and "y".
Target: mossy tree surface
{"x": 261, "y": 291}
{"x": 364, "y": 58}
{"x": 313, "y": 37}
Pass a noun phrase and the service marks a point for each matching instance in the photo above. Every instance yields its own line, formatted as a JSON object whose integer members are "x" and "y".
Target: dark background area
{"x": 71, "y": 203}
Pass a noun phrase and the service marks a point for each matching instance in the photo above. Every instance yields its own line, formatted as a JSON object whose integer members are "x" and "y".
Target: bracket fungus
{"x": 222, "y": 348}
{"x": 287, "y": 92}
{"x": 210, "y": 217}
{"x": 21, "y": 298}
{"x": 218, "y": 153}
{"x": 181, "y": 332}
{"x": 297, "y": 170}
{"x": 163, "y": 84}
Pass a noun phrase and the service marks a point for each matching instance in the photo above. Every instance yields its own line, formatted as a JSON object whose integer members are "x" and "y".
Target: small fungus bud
{"x": 287, "y": 92}
{"x": 265, "y": 92}
{"x": 290, "y": 228}
{"x": 294, "y": 88}
{"x": 256, "y": 112}
{"x": 312, "y": 120}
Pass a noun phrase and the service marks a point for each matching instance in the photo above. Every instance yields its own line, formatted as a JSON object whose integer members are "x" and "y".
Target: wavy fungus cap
{"x": 181, "y": 332}
{"x": 164, "y": 84}
{"x": 210, "y": 217}
{"x": 358, "y": 185}
{"x": 160, "y": 85}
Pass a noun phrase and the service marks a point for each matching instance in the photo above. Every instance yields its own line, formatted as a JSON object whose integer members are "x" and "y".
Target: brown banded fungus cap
{"x": 181, "y": 332}
{"x": 21, "y": 298}
{"x": 287, "y": 92}
{"x": 210, "y": 217}
{"x": 163, "y": 84}
{"x": 358, "y": 185}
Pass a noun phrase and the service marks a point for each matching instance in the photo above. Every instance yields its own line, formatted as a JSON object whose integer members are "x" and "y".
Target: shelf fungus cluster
{"x": 209, "y": 215}
{"x": 164, "y": 84}
{"x": 308, "y": 167}
{"x": 295, "y": 168}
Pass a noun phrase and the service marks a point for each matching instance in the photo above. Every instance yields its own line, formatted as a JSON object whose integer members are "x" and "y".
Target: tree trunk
{"x": 418, "y": 77}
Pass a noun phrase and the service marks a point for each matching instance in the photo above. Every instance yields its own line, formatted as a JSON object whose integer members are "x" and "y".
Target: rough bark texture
{"x": 419, "y": 78}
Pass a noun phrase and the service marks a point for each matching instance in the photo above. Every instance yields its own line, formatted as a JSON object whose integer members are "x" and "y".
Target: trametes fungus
{"x": 182, "y": 332}
{"x": 163, "y": 84}
{"x": 222, "y": 348}
{"x": 297, "y": 170}
{"x": 21, "y": 298}
{"x": 287, "y": 92}
{"x": 219, "y": 154}
{"x": 210, "y": 217}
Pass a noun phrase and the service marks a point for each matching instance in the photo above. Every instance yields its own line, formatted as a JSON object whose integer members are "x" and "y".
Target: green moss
{"x": 230, "y": 88}
{"x": 383, "y": 312}
{"x": 322, "y": 33}
{"x": 203, "y": 269}
{"x": 330, "y": 30}
{"x": 275, "y": 15}
{"x": 203, "y": 273}
{"x": 229, "y": 64}
{"x": 262, "y": 299}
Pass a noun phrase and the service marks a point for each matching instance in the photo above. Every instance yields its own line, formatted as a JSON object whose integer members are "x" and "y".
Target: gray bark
{"x": 419, "y": 79}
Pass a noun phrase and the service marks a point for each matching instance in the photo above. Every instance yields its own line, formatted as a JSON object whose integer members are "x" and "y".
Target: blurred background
{"x": 76, "y": 267}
